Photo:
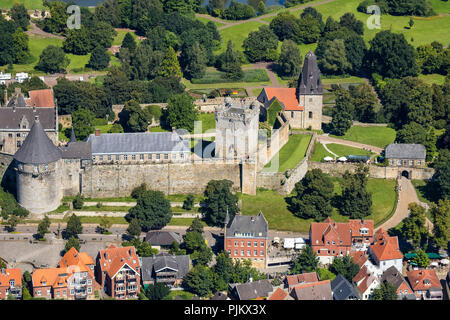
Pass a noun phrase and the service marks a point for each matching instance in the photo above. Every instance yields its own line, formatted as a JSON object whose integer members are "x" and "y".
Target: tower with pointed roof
{"x": 310, "y": 94}
{"x": 38, "y": 172}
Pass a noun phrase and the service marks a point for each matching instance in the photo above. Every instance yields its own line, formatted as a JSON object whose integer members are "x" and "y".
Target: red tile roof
{"x": 302, "y": 278}
{"x": 424, "y": 279}
{"x": 41, "y": 98}
{"x": 10, "y": 274}
{"x": 321, "y": 232}
{"x": 78, "y": 259}
{"x": 113, "y": 259}
{"x": 279, "y": 294}
{"x": 359, "y": 257}
{"x": 357, "y": 224}
{"x": 287, "y": 96}
{"x": 54, "y": 277}
{"x": 385, "y": 247}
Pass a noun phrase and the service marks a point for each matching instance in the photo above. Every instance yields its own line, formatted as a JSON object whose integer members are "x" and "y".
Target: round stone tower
{"x": 38, "y": 172}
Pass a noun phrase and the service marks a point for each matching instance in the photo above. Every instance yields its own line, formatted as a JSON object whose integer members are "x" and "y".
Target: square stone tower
{"x": 310, "y": 94}
{"x": 237, "y": 124}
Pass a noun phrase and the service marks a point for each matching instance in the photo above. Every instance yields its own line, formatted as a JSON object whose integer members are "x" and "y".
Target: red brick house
{"x": 246, "y": 238}
{"x": 118, "y": 271}
{"x": 425, "y": 284}
{"x": 10, "y": 283}
{"x": 73, "y": 279}
{"x": 297, "y": 279}
{"x": 385, "y": 251}
{"x": 330, "y": 239}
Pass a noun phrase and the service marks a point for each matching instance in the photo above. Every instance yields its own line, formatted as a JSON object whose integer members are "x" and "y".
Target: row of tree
{"x": 13, "y": 39}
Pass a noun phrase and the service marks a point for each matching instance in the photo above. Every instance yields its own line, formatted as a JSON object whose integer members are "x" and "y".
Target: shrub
{"x": 78, "y": 202}
{"x": 138, "y": 191}
{"x": 188, "y": 203}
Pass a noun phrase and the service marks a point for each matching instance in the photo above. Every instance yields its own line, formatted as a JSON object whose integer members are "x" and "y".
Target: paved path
{"x": 325, "y": 146}
{"x": 327, "y": 139}
{"x": 228, "y": 24}
{"x": 407, "y": 195}
{"x": 35, "y": 31}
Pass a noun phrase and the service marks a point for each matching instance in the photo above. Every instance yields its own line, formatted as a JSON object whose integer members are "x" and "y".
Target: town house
{"x": 10, "y": 283}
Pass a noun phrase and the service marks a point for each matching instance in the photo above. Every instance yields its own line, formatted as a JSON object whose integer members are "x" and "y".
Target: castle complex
{"x": 113, "y": 164}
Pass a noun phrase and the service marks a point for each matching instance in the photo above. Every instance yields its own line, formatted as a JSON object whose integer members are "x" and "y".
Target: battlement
{"x": 238, "y": 110}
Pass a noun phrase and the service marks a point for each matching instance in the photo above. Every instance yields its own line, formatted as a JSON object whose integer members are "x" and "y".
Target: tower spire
{"x": 309, "y": 82}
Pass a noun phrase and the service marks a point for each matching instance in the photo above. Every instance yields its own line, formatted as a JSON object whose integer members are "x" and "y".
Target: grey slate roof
{"x": 73, "y": 138}
{"x": 162, "y": 238}
{"x": 150, "y": 265}
{"x": 17, "y": 100}
{"x": 256, "y": 225}
{"x": 37, "y": 147}
{"x": 77, "y": 150}
{"x": 317, "y": 291}
{"x": 252, "y": 290}
{"x": 342, "y": 289}
{"x": 405, "y": 151}
{"x": 309, "y": 81}
{"x": 393, "y": 276}
{"x": 139, "y": 142}
{"x": 10, "y": 118}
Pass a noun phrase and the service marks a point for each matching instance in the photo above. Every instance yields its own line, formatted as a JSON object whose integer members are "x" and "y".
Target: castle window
{"x": 18, "y": 144}
{"x": 35, "y": 169}
{"x": 117, "y": 157}
{"x": 101, "y": 158}
{"x": 411, "y": 162}
{"x": 109, "y": 157}
{"x": 125, "y": 157}
{"x": 418, "y": 162}
{"x": 158, "y": 156}
{"x": 18, "y": 135}
{"x": 182, "y": 156}
{"x": 141, "y": 157}
{"x": 149, "y": 156}
{"x": 292, "y": 114}
{"x": 9, "y": 135}
{"x": 262, "y": 253}
{"x": 391, "y": 162}
{"x": 399, "y": 162}
{"x": 310, "y": 99}
{"x": 166, "y": 156}
{"x": 310, "y": 115}
{"x": 133, "y": 157}
{"x": 255, "y": 253}
{"x": 24, "y": 135}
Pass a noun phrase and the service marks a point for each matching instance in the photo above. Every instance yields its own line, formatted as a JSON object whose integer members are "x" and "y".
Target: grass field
{"x": 319, "y": 153}
{"x": 206, "y": 20}
{"x": 208, "y": 121}
{"x": 292, "y": 152}
{"x": 237, "y": 34}
{"x": 183, "y": 294}
{"x": 215, "y": 76}
{"x": 274, "y": 206}
{"x": 29, "y": 4}
{"x": 375, "y": 136}
{"x": 118, "y": 39}
{"x": 432, "y": 78}
{"x": 342, "y": 150}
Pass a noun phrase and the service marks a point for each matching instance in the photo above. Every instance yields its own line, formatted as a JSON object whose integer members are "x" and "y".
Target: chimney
{"x": 34, "y": 108}
{"x": 252, "y": 218}
{"x": 97, "y": 132}
{"x": 36, "y": 118}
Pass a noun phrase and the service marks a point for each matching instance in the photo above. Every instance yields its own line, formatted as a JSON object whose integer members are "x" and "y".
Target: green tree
{"x": 20, "y": 46}
{"x": 105, "y": 223}
{"x": 193, "y": 241}
{"x": 83, "y": 123}
{"x": 230, "y": 62}
{"x": 259, "y": 44}
{"x": 349, "y": 21}
{"x": 20, "y": 16}
{"x": 223, "y": 271}
{"x": 77, "y": 41}
{"x": 196, "y": 64}
{"x": 170, "y": 65}
{"x": 344, "y": 266}
{"x": 12, "y": 222}
{"x": 365, "y": 102}
{"x": 99, "y": 59}
{"x": 157, "y": 291}
{"x": 52, "y": 60}
{"x": 342, "y": 114}
{"x": 261, "y": 9}
{"x": 152, "y": 210}
{"x": 334, "y": 59}
{"x": 386, "y": 291}
{"x": 308, "y": 30}
{"x": 410, "y": 23}
{"x": 218, "y": 201}
{"x": 134, "y": 228}
{"x": 442, "y": 172}
{"x": 138, "y": 191}
{"x": 440, "y": 214}
{"x": 421, "y": 259}
{"x": 143, "y": 248}
{"x": 285, "y": 26}
{"x": 180, "y": 112}
{"x": 78, "y": 201}
{"x": 129, "y": 42}
{"x": 26, "y": 294}
{"x": 101, "y": 34}
{"x": 199, "y": 280}
{"x": 57, "y": 21}
{"x": 74, "y": 227}
{"x": 72, "y": 242}
{"x": 312, "y": 196}
{"x": 133, "y": 117}
{"x": 202, "y": 256}
{"x": 356, "y": 201}
{"x": 43, "y": 226}
{"x": 290, "y": 59}
{"x": 188, "y": 203}
{"x": 307, "y": 261}
{"x": 391, "y": 56}
{"x": 414, "y": 225}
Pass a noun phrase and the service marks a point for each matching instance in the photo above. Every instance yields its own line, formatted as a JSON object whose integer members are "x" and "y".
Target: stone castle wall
{"x": 115, "y": 180}
{"x": 7, "y": 174}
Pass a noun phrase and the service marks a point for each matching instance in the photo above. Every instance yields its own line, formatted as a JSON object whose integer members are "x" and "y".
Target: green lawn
{"x": 183, "y": 294}
{"x": 206, "y": 20}
{"x": 274, "y": 206}
{"x": 29, "y": 4}
{"x": 213, "y": 76}
{"x": 432, "y": 78}
{"x": 292, "y": 152}
{"x": 375, "y": 136}
{"x": 208, "y": 121}
{"x": 342, "y": 150}
{"x": 118, "y": 39}
{"x": 319, "y": 153}
{"x": 237, "y": 34}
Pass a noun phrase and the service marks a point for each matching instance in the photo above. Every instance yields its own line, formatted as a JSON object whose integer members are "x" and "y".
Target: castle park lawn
{"x": 291, "y": 153}
{"x": 29, "y": 4}
{"x": 374, "y": 136}
{"x": 274, "y": 206}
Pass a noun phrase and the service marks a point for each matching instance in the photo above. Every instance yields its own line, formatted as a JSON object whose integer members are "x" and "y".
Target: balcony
{"x": 131, "y": 289}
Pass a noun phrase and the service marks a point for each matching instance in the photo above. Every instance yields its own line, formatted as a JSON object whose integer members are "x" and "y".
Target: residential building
{"x": 251, "y": 290}
{"x": 18, "y": 117}
{"x": 10, "y": 283}
{"x": 296, "y": 279}
{"x": 279, "y": 294}
{"x": 406, "y": 155}
{"x": 4, "y": 78}
{"x": 302, "y": 106}
{"x": 165, "y": 268}
{"x": 138, "y": 147}
{"x": 21, "y": 76}
{"x": 246, "y": 237}
{"x": 162, "y": 239}
{"x": 385, "y": 251}
{"x": 118, "y": 272}
{"x": 320, "y": 290}
{"x": 394, "y": 277}
{"x": 366, "y": 282}
{"x": 343, "y": 290}
{"x": 425, "y": 284}
{"x": 219, "y": 296}
{"x": 361, "y": 233}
